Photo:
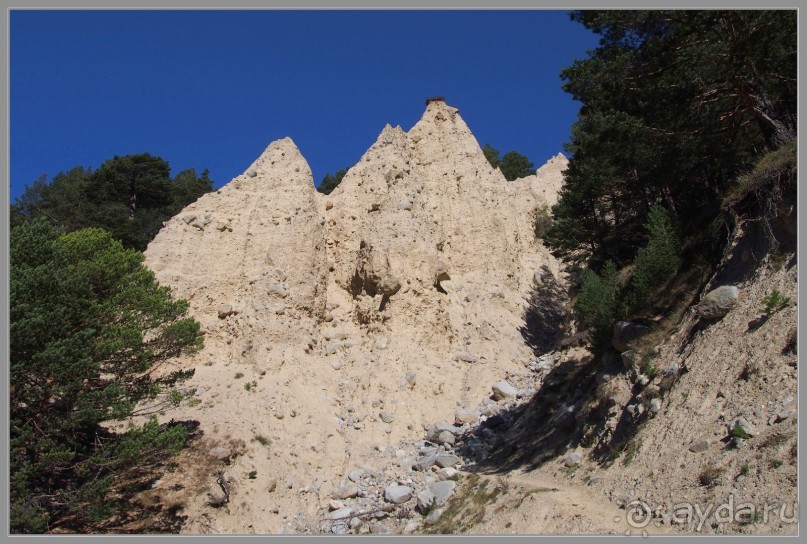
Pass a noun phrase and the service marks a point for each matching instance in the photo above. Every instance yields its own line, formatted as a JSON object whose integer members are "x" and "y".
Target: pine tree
{"x": 92, "y": 339}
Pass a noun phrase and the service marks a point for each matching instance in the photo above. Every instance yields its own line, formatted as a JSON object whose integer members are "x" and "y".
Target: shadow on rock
{"x": 529, "y": 435}
{"x": 546, "y": 314}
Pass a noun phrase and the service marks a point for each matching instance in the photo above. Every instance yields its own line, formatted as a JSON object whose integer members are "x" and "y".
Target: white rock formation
{"x": 419, "y": 264}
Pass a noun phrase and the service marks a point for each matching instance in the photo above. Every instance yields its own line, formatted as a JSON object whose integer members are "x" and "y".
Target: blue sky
{"x": 211, "y": 89}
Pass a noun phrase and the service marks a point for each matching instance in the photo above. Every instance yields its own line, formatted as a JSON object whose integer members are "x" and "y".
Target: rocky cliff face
{"x": 360, "y": 317}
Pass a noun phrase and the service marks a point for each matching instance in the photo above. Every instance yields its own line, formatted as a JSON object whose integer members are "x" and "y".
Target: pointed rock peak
{"x": 390, "y": 135}
{"x": 282, "y": 160}
{"x": 437, "y": 108}
{"x": 557, "y": 163}
{"x": 560, "y": 158}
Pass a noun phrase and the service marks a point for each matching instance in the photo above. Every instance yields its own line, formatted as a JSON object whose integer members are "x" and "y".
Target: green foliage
{"x": 128, "y": 196}
{"x": 89, "y": 327}
{"x": 774, "y": 302}
{"x": 515, "y": 165}
{"x": 649, "y": 370}
{"x": 251, "y": 386}
{"x": 253, "y": 474}
{"x": 739, "y": 432}
{"x": 492, "y": 155}
{"x": 598, "y": 304}
{"x": 543, "y": 220}
{"x": 331, "y": 182}
{"x": 769, "y": 170}
{"x": 659, "y": 260}
{"x": 675, "y": 106}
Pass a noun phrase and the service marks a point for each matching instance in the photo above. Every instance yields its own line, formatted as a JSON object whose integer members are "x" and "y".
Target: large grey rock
{"x": 573, "y": 459}
{"x": 397, "y": 494}
{"x": 626, "y": 333}
{"x": 447, "y": 460}
{"x": 347, "y": 490}
{"x": 424, "y": 463}
{"x": 503, "y": 390}
{"x": 436, "y": 494}
{"x": 434, "y": 517}
{"x": 718, "y": 302}
{"x": 435, "y": 430}
{"x": 699, "y": 446}
{"x": 446, "y": 437}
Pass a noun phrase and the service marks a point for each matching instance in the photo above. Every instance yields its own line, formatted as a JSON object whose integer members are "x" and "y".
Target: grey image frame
{"x": 308, "y": 5}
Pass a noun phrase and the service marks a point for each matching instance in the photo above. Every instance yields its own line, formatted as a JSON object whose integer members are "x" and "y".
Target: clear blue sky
{"x": 211, "y": 89}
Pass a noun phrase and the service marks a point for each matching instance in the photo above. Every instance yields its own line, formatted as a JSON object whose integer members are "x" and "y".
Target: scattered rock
{"x": 446, "y": 437}
{"x": 782, "y": 415}
{"x": 380, "y": 529}
{"x": 386, "y": 417}
{"x": 435, "y": 430}
{"x": 424, "y": 463}
{"x": 503, "y": 390}
{"x": 347, "y": 490}
{"x": 744, "y": 424}
{"x": 466, "y": 357}
{"x": 225, "y": 310}
{"x": 655, "y": 406}
{"x": 220, "y": 453}
{"x": 573, "y": 459}
{"x": 397, "y": 494}
{"x": 216, "y": 496}
{"x": 447, "y": 460}
{"x": 465, "y": 416}
{"x": 342, "y": 513}
{"x": 434, "y": 517}
{"x": 435, "y": 495}
{"x": 699, "y": 446}
{"x": 449, "y": 472}
{"x": 718, "y": 302}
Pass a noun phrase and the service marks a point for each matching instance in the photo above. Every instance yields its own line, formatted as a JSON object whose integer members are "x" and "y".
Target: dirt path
{"x": 535, "y": 503}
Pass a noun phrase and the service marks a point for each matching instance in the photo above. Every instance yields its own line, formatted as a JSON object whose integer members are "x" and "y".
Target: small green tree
{"x": 543, "y": 220}
{"x": 515, "y": 165}
{"x": 331, "y": 182}
{"x": 659, "y": 260}
{"x": 492, "y": 155}
{"x": 90, "y": 326}
{"x": 598, "y": 305}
